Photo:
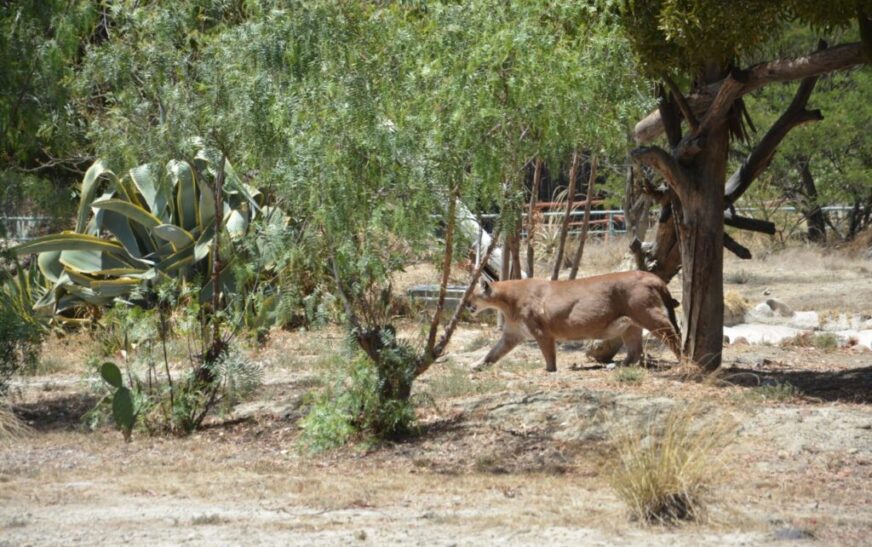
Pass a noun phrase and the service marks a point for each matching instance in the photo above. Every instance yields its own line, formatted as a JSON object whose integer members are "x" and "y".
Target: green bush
{"x": 21, "y": 333}
{"x": 355, "y": 406}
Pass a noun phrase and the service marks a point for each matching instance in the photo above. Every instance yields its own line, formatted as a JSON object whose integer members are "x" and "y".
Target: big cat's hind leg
{"x": 632, "y": 338}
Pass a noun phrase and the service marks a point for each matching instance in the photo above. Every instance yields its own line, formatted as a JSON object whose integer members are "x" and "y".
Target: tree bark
{"x": 780, "y": 70}
{"x": 814, "y": 216}
{"x": 531, "y": 218}
{"x": 701, "y": 237}
{"x": 591, "y": 182}
{"x": 564, "y": 230}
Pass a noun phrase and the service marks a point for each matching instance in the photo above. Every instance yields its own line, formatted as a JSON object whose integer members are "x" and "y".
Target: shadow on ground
{"x": 57, "y": 414}
{"x": 846, "y": 386}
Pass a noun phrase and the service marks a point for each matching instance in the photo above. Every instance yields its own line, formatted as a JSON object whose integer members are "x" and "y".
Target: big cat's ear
{"x": 486, "y": 287}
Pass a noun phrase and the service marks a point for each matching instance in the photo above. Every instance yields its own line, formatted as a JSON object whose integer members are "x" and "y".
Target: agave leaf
{"x": 182, "y": 257}
{"x": 89, "y": 188}
{"x": 186, "y": 193}
{"x": 236, "y": 224}
{"x": 146, "y": 177}
{"x": 130, "y": 210}
{"x": 207, "y": 203}
{"x": 50, "y": 265}
{"x": 119, "y": 226}
{"x": 92, "y": 261}
{"x": 68, "y": 241}
{"x": 204, "y": 242}
{"x": 178, "y": 237}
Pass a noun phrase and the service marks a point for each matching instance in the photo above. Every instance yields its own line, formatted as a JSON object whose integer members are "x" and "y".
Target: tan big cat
{"x": 599, "y": 307}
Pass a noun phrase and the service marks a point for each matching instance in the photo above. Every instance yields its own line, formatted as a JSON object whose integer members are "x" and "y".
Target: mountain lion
{"x": 600, "y": 307}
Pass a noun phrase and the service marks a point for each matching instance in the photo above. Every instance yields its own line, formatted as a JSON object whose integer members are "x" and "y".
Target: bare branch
{"x": 759, "y": 158}
{"x": 750, "y": 224}
{"x": 780, "y": 70}
{"x": 564, "y": 229}
{"x": 439, "y": 349}
{"x": 446, "y": 269}
{"x": 681, "y": 101}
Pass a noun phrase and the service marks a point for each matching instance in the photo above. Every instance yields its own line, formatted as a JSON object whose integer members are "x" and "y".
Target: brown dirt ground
{"x": 800, "y": 466}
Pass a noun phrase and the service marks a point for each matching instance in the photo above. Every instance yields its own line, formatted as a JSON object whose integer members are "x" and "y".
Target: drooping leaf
{"x": 68, "y": 241}
{"x": 89, "y": 188}
{"x": 129, "y": 210}
{"x": 186, "y": 193}
{"x": 147, "y": 181}
{"x": 93, "y": 261}
{"x": 50, "y": 265}
{"x": 178, "y": 237}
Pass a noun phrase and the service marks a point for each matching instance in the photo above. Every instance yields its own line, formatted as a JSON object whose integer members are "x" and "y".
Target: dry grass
{"x": 664, "y": 469}
{"x": 826, "y": 341}
{"x": 735, "y": 307}
{"x": 11, "y": 428}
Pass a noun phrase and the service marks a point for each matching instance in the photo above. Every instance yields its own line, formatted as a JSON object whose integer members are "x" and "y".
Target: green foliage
{"x": 354, "y": 406}
{"x": 160, "y": 224}
{"x": 162, "y": 399}
{"x": 21, "y": 332}
{"x": 41, "y": 137}
{"x": 685, "y": 36}
{"x": 123, "y": 411}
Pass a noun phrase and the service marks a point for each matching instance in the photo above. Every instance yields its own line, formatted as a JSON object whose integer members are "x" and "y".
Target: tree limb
{"x": 779, "y": 70}
{"x": 736, "y": 248}
{"x": 446, "y": 269}
{"x": 760, "y": 157}
{"x": 750, "y": 224}
{"x": 681, "y": 101}
{"x": 429, "y": 357}
{"x": 659, "y": 159}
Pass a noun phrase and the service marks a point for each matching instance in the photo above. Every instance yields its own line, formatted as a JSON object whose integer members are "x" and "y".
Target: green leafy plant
{"x": 149, "y": 224}
{"x": 355, "y": 405}
{"x": 123, "y": 411}
{"x": 21, "y": 331}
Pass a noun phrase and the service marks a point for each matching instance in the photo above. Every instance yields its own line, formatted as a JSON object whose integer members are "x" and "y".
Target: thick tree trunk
{"x": 814, "y": 216}
{"x": 701, "y": 236}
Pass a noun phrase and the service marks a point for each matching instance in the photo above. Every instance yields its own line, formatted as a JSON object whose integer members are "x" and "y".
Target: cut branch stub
{"x": 750, "y": 224}
{"x": 660, "y": 160}
{"x": 736, "y": 248}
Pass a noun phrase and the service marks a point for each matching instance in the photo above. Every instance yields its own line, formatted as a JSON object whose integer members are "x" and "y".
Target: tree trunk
{"x": 591, "y": 181}
{"x": 531, "y": 218}
{"x": 701, "y": 236}
{"x": 814, "y": 216}
{"x": 564, "y": 229}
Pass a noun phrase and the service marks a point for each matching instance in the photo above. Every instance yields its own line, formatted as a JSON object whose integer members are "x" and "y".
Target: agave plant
{"x": 147, "y": 224}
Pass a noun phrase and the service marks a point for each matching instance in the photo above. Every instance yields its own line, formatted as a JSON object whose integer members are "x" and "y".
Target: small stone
{"x": 767, "y": 291}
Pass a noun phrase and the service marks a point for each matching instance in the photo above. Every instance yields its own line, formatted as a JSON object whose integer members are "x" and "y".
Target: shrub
{"x": 355, "y": 405}
{"x": 664, "y": 469}
{"x": 21, "y": 333}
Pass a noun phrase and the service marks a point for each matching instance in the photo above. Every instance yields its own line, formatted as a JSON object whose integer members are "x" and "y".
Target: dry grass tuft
{"x": 826, "y": 341}
{"x": 11, "y": 428}
{"x": 735, "y": 307}
{"x": 664, "y": 470}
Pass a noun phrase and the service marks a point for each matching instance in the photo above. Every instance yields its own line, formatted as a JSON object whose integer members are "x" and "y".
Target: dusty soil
{"x": 510, "y": 455}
